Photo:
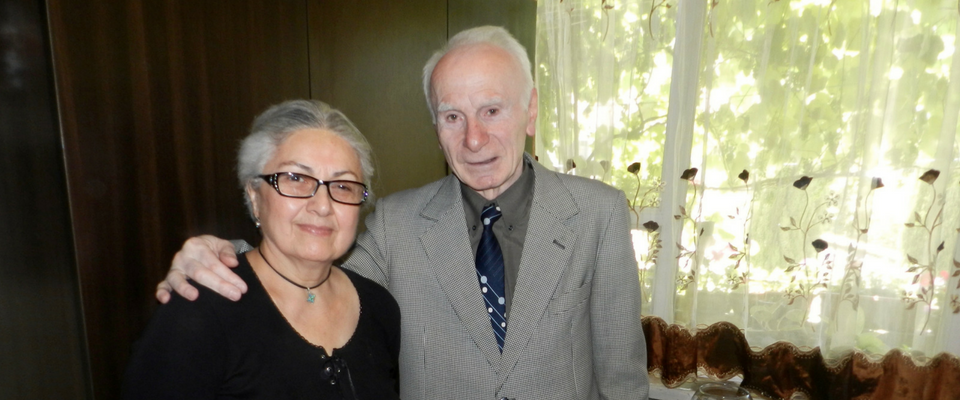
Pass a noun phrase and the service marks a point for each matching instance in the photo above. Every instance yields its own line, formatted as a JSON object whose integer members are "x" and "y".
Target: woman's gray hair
{"x": 491, "y": 35}
{"x": 275, "y": 124}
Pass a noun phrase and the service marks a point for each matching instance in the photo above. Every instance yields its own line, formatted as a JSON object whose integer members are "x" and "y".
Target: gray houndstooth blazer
{"x": 574, "y": 328}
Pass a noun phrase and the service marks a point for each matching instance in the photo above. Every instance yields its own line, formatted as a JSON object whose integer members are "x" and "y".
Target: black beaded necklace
{"x": 310, "y": 296}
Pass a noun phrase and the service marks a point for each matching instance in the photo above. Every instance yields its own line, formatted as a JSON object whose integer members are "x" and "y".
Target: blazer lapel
{"x": 547, "y": 249}
{"x": 448, "y": 247}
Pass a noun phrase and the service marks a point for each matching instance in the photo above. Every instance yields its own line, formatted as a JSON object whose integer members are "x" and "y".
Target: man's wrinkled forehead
{"x": 474, "y": 58}
{"x": 477, "y": 101}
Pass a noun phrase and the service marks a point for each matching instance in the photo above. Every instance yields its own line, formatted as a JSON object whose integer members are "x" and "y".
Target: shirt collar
{"x": 511, "y": 201}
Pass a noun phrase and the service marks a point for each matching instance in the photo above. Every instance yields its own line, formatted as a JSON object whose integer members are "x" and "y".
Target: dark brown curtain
{"x": 781, "y": 369}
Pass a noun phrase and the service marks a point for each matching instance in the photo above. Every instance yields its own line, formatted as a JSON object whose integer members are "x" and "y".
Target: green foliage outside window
{"x": 815, "y": 126}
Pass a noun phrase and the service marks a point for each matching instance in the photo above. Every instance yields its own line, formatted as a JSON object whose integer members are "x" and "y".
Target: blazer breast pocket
{"x": 569, "y": 300}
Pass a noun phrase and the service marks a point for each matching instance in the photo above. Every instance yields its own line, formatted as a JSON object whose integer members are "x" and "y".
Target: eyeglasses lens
{"x": 296, "y": 185}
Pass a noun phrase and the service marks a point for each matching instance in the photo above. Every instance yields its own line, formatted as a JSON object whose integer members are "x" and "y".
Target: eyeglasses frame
{"x": 273, "y": 181}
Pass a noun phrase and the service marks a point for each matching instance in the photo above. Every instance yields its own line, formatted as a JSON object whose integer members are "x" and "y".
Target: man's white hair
{"x": 490, "y": 35}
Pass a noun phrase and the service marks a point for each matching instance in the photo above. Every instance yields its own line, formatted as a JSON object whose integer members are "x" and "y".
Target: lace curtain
{"x": 793, "y": 166}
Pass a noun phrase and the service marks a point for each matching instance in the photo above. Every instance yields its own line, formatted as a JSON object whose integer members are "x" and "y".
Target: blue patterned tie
{"x": 490, "y": 274}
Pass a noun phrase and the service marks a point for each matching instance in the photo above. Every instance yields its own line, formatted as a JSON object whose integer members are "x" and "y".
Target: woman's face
{"x": 315, "y": 228}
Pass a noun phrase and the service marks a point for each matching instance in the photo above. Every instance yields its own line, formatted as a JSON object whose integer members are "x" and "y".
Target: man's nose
{"x": 476, "y": 136}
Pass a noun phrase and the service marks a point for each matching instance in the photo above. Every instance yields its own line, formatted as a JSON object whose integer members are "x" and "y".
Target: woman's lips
{"x": 316, "y": 229}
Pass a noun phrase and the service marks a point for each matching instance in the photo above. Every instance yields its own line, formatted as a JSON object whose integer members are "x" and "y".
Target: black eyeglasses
{"x": 300, "y": 186}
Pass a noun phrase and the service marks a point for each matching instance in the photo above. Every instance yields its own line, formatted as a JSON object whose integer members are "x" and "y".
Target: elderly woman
{"x": 306, "y": 328}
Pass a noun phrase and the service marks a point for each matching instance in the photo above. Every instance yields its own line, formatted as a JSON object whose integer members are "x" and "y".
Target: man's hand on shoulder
{"x": 207, "y": 260}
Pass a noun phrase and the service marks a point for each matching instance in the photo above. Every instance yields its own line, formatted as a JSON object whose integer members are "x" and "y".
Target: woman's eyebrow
{"x": 296, "y": 164}
{"x": 342, "y": 173}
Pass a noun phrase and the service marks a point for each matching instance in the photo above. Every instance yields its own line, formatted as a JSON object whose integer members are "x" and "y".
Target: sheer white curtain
{"x": 825, "y": 206}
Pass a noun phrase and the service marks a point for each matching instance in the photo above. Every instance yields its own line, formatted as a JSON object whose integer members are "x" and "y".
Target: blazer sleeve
{"x": 180, "y": 355}
{"x": 619, "y": 348}
{"x": 368, "y": 257}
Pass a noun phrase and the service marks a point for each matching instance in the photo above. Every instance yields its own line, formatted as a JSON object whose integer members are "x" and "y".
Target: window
{"x": 825, "y": 206}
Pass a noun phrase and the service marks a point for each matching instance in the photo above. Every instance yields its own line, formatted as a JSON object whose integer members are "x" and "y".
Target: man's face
{"x": 481, "y": 119}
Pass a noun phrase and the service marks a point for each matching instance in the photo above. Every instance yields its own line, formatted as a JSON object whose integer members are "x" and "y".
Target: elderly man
{"x": 513, "y": 281}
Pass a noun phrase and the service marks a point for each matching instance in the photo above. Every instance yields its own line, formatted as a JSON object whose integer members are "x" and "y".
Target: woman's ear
{"x": 254, "y": 195}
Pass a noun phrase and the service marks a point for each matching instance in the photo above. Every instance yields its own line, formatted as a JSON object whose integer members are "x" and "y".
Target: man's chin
{"x": 484, "y": 183}
{"x": 480, "y": 185}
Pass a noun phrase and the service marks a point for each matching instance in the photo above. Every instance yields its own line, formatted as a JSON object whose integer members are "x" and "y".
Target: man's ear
{"x": 532, "y": 113}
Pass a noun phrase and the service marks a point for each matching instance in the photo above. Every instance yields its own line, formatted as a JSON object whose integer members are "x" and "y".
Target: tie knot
{"x": 490, "y": 215}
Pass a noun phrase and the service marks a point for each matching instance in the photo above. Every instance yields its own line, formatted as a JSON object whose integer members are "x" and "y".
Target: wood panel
{"x": 42, "y": 350}
{"x": 517, "y": 16}
{"x": 154, "y": 97}
{"x": 367, "y": 60}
